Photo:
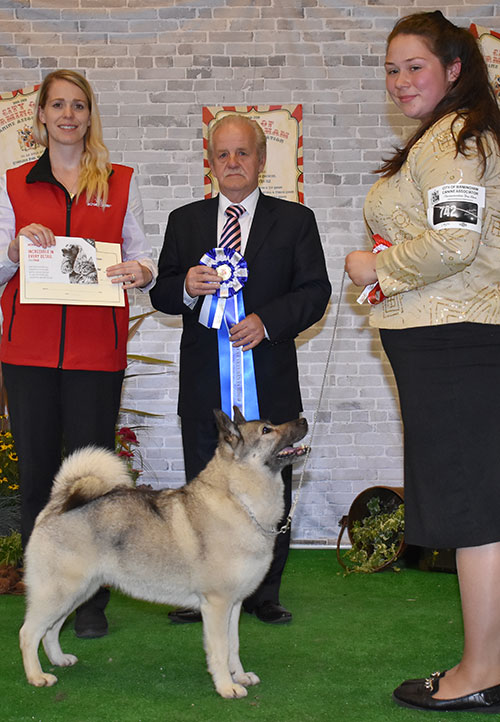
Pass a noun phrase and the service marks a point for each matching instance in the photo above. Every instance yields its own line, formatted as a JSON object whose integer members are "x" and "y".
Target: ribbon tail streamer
{"x": 212, "y": 311}
{"x": 236, "y": 367}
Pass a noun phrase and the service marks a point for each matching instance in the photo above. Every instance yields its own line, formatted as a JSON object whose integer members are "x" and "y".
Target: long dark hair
{"x": 471, "y": 96}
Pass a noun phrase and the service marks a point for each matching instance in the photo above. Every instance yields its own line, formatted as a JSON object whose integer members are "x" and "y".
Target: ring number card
{"x": 456, "y": 205}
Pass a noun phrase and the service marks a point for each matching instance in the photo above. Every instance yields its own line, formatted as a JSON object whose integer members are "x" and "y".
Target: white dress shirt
{"x": 249, "y": 203}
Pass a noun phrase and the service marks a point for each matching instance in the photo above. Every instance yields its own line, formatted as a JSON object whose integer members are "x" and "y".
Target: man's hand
{"x": 248, "y": 333}
{"x": 202, "y": 281}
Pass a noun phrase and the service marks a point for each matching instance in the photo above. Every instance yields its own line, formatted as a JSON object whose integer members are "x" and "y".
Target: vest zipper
{"x": 62, "y": 341}
{"x": 115, "y": 327}
{"x": 12, "y": 316}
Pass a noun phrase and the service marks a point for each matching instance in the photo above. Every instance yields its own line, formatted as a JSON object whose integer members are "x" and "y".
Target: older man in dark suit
{"x": 286, "y": 292}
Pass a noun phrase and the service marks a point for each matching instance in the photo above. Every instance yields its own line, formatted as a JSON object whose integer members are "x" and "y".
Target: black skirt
{"x": 448, "y": 378}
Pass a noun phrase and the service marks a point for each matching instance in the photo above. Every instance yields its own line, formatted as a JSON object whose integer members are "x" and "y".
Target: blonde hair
{"x": 95, "y": 167}
{"x": 260, "y": 136}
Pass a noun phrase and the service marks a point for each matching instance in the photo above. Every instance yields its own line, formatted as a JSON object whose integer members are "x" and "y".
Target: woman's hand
{"x": 131, "y": 274}
{"x": 38, "y": 234}
{"x": 360, "y": 267}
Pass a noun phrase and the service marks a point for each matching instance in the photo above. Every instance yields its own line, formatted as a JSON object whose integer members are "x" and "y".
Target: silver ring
{"x": 133, "y": 277}
{"x": 36, "y": 237}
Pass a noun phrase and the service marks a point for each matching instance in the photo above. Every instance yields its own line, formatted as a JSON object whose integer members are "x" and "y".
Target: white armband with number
{"x": 456, "y": 205}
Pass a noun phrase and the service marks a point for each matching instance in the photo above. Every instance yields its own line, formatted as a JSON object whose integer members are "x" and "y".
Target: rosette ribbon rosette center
{"x": 221, "y": 311}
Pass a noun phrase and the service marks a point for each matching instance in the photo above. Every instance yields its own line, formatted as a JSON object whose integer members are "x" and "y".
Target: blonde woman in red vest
{"x": 63, "y": 365}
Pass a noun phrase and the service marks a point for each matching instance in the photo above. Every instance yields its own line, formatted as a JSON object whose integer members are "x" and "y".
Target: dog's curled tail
{"x": 85, "y": 475}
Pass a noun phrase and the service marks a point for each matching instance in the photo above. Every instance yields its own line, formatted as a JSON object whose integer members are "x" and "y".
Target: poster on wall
{"x": 489, "y": 42}
{"x": 283, "y": 175}
{"x": 17, "y": 144}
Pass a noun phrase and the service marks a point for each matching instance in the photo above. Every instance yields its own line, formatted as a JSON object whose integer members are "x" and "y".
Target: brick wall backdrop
{"x": 153, "y": 66}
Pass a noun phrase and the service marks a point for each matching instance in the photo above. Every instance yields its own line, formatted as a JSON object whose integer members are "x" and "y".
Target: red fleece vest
{"x": 71, "y": 337}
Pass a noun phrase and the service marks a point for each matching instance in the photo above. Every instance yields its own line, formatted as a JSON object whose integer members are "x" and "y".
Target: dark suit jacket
{"x": 287, "y": 287}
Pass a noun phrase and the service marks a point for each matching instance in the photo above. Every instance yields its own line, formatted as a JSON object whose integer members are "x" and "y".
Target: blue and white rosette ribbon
{"x": 221, "y": 311}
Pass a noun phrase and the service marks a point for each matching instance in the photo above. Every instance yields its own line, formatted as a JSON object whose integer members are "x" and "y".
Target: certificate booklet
{"x": 71, "y": 272}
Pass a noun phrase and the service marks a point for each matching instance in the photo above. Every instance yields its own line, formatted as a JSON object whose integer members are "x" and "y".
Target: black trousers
{"x": 54, "y": 411}
{"x": 199, "y": 441}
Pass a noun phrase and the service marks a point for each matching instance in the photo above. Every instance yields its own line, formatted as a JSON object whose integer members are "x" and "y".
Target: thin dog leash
{"x": 289, "y": 518}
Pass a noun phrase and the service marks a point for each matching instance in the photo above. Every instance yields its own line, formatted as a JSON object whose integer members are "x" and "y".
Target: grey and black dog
{"x": 206, "y": 546}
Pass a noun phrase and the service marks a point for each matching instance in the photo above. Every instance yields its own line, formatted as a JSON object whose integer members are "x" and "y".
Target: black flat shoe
{"x": 417, "y": 694}
{"x": 271, "y": 613}
{"x": 184, "y": 616}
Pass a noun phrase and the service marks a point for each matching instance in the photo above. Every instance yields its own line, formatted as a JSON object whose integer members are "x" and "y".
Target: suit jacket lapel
{"x": 263, "y": 221}
{"x": 207, "y": 220}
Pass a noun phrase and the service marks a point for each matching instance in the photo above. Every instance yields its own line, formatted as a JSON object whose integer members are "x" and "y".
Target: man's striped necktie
{"x": 231, "y": 233}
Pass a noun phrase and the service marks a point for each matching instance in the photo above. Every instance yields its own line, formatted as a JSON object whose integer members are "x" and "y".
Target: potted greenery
{"x": 11, "y": 552}
{"x": 10, "y": 498}
{"x": 375, "y": 525}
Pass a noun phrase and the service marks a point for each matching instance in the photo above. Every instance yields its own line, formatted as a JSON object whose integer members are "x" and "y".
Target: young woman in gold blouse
{"x": 438, "y": 203}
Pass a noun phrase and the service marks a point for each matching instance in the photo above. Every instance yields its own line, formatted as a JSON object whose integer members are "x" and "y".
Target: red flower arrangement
{"x": 126, "y": 446}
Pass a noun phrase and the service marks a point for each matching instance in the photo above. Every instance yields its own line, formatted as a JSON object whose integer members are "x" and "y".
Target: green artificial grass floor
{"x": 352, "y": 640}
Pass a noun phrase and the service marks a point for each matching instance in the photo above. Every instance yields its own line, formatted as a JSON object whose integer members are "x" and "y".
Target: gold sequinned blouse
{"x": 443, "y": 218}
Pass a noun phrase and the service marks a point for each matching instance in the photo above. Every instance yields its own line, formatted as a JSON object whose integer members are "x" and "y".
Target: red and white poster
{"x": 489, "y": 42}
{"x": 283, "y": 175}
{"x": 17, "y": 144}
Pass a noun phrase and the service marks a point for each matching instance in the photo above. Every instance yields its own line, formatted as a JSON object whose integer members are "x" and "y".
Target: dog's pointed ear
{"x": 227, "y": 429}
{"x": 238, "y": 416}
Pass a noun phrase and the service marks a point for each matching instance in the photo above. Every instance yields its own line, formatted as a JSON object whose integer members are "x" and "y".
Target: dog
{"x": 206, "y": 545}
{"x": 79, "y": 267}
